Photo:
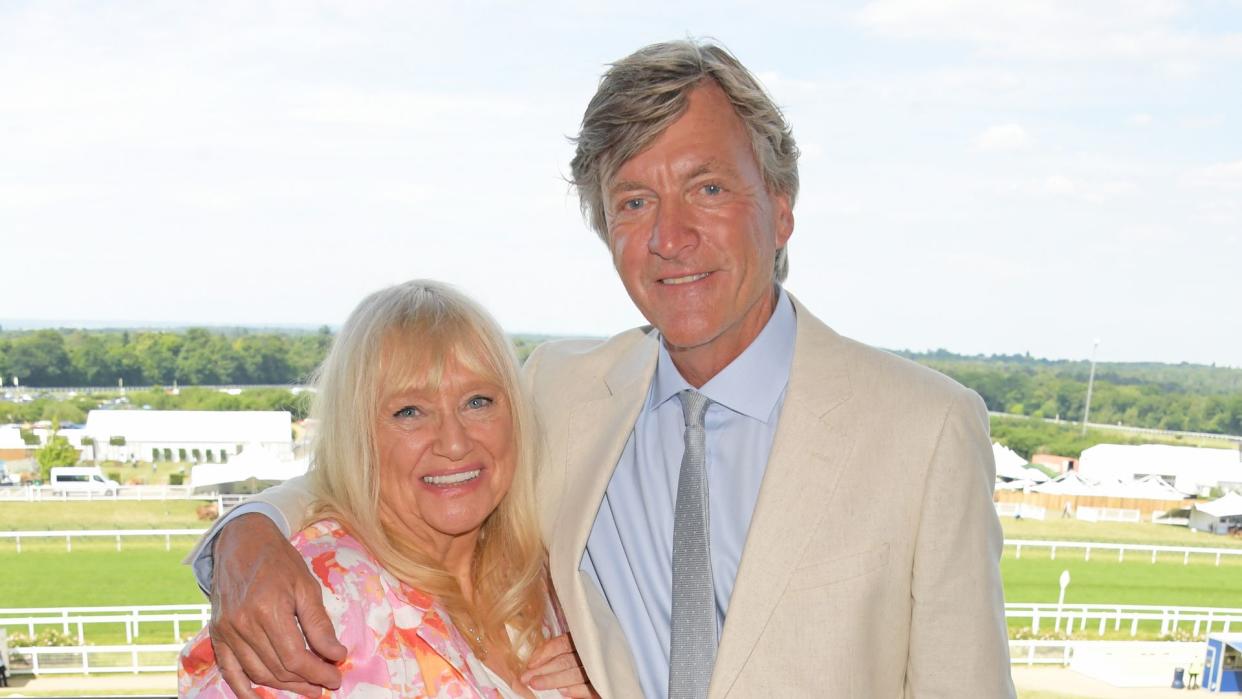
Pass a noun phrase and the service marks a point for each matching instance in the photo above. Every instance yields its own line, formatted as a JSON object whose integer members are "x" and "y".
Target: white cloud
{"x": 1221, "y": 176}
{"x": 23, "y": 196}
{"x": 1005, "y": 137}
{"x": 1093, "y": 191}
{"x": 1141, "y": 119}
{"x": 1057, "y": 31}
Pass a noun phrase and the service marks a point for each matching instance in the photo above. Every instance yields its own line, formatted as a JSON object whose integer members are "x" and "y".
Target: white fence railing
{"x": 1108, "y": 514}
{"x": 118, "y": 534}
{"x": 1020, "y": 510}
{"x": 1041, "y": 652}
{"x": 157, "y": 657}
{"x": 75, "y": 619}
{"x": 86, "y": 660}
{"x": 1100, "y": 618}
{"x": 47, "y": 493}
{"x": 1121, "y": 549}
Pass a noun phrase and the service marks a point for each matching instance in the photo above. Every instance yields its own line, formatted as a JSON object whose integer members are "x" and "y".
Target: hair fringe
{"x": 510, "y": 590}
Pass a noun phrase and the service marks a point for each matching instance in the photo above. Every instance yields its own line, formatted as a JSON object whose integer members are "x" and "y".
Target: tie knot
{"x": 693, "y": 406}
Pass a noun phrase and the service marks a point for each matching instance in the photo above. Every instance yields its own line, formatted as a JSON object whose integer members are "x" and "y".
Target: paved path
{"x": 1044, "y": 679}
{"x": 158, "y": 684}
{"x": 1068, "y": 683}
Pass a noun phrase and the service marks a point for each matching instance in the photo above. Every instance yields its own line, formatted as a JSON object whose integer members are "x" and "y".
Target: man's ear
{"x": 783, "y": 213}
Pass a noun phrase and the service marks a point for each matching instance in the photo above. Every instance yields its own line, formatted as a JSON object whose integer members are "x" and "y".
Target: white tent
{"x": 1150, "y": 488}
{"x": 1067, "y": 484}
{"x": 148, "y": 433}
{"x": 1190, "y": 469}
{"x": 1218, "y": 516}
{"x": 1012, "y": 467}
{"x": 254, "y": 461}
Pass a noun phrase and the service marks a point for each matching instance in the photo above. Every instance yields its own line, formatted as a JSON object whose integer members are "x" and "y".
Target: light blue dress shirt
{"x": 630, "y": 550}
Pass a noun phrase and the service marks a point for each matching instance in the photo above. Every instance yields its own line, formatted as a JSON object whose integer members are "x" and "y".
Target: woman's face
{"x": 446, "y": 456}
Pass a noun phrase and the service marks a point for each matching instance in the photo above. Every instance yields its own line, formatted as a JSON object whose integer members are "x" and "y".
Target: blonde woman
{"x": 424, "y": 537}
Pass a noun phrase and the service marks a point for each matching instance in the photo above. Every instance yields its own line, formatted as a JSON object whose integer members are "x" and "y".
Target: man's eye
{"x": 478, "y": 402}
{"x": 632, "y": 204}
{"x": 712, "y": 189}
{"x": 407, "y": 411}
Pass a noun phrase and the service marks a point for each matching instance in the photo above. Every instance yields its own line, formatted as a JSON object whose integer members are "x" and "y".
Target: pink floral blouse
{"x": 401, "y": 643}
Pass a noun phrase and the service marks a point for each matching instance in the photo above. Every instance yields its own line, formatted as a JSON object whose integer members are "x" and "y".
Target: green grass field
{"x": 121, "y": 514}
{"x": 143, "y": 573}
{"x": 1113, "y": 532}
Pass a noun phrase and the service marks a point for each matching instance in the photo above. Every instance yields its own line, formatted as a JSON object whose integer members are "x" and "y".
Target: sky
{"x": 981, "y": 176}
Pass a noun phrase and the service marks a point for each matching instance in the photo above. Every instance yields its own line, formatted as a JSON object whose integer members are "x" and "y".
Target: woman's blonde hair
{"x": 405, "y": 335}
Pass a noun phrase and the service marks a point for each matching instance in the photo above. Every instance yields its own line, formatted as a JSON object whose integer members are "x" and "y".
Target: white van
{"x": 82, "y": 479}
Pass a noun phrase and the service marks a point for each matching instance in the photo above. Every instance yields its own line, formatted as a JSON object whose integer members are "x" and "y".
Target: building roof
{"x": 220, "y": 426}
{"x": 11, "y": 437}
{"x": 1158, "y": 458}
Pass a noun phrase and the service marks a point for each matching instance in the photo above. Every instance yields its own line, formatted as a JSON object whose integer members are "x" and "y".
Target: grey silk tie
{"x": 692, "y": 650}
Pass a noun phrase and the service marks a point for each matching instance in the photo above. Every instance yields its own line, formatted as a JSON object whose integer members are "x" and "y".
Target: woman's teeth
{"x": 453, "y": 479}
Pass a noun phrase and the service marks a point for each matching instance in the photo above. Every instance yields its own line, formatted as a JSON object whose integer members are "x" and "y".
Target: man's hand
{"x": 555, "y": 665}
{"x": 260, "y": 586}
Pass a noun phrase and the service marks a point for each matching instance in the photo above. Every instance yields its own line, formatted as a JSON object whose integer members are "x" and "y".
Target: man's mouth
{"x": 453, "y": 478}
{"x": 672, "y": 281}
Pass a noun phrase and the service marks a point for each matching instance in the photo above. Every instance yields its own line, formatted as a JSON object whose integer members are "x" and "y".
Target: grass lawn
{"x": 1034, "y": 578}
{"x": 1113, "y": 532}
{"x": 94, "y": 574}
{"x": 44, "y": 574}
{"x": 119, "y": 514}
{"x": 140, "y": 472}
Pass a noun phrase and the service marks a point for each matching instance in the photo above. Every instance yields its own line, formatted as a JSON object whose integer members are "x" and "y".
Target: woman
{"x": 426, "y": 543}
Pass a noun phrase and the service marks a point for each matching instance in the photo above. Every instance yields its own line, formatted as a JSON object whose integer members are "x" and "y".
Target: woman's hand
{"x": 555, "y": 665}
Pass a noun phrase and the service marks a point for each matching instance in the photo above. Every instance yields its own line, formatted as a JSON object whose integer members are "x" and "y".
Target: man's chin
{"x": 681, "y": 338}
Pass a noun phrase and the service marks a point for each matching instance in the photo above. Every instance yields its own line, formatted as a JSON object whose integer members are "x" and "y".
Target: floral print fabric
{"x": 400, "y": 642}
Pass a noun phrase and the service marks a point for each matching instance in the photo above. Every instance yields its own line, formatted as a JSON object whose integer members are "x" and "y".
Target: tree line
{"x": 196, "y": 356}
{"x": 1185, "y": 397}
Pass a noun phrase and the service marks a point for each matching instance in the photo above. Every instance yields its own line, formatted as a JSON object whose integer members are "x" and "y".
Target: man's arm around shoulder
{"x": 266, "y": 607}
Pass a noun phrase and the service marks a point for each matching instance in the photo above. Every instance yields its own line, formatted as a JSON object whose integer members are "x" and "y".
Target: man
{"x": 737, "y": 502}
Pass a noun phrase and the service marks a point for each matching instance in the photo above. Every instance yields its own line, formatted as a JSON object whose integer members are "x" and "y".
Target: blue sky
{"x": 980, "y": 176}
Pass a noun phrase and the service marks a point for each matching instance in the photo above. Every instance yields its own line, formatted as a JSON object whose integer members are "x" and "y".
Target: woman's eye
{"x": 407, "y": 411}
{"x": 478, "y": 402}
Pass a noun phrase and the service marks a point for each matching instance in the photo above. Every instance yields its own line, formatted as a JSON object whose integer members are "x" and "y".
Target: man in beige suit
{"x": 826, "y": 526}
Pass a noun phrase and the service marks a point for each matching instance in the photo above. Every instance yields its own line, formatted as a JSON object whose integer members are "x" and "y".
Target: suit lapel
{"x": 597, "y": 430}
{"x": 809, "y": 451}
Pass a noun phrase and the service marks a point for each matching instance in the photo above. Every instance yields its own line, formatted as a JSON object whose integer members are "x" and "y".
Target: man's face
{"x": 694, "y": 231}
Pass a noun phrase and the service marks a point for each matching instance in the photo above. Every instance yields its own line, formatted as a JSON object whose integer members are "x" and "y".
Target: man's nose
{"x": 673, "y": 231}
{"x": 452, "y": 441}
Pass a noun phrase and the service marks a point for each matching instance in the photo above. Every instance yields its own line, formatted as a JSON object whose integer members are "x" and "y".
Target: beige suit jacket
{"x": 870, "y": 569}
{"x": 871, "y": 565}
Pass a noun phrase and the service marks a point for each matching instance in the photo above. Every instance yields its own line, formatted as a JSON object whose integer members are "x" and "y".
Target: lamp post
{"x": 1086, "y": 411}
{"x": 1065, "y": 580}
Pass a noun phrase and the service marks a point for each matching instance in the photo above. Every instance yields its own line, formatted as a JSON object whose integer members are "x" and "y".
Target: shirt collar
{"x": 753, "y": 382}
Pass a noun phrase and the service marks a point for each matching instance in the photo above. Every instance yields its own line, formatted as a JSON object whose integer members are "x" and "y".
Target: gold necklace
{"x": 478, "y": 641}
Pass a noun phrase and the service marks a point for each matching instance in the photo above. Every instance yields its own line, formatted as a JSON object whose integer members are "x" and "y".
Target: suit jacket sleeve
{"x": 289, "y": 500}
{"x": 958, "y": 636}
